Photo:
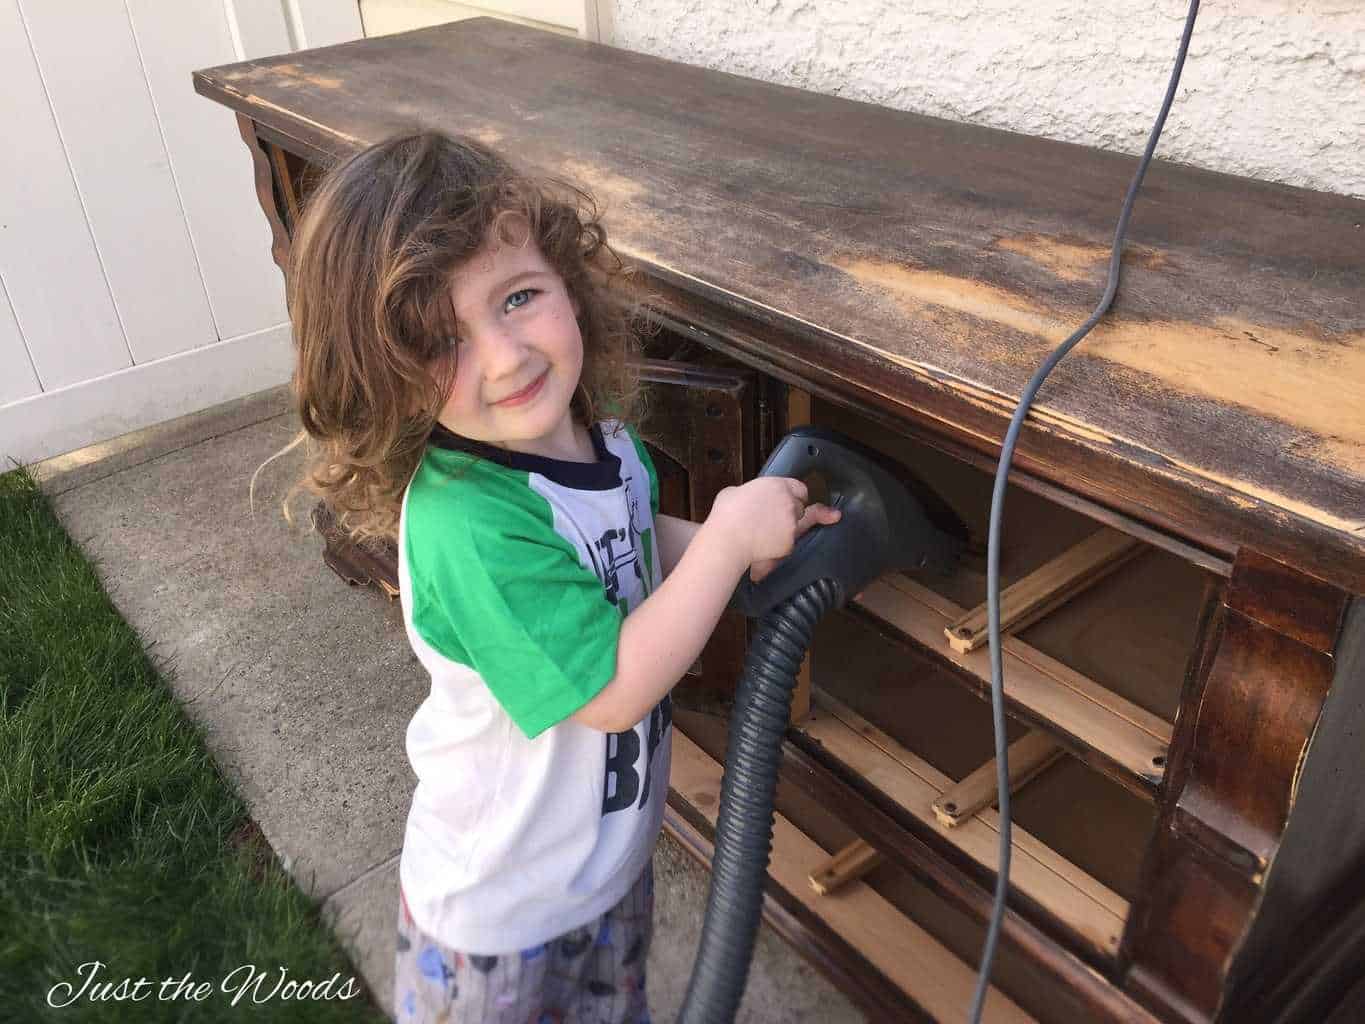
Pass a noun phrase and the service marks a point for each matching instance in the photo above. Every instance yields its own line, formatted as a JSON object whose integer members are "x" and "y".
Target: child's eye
{"x": 518, "y": 299}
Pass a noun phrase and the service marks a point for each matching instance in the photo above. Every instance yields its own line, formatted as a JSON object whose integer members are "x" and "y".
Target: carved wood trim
{"x": 266, "y": 195}
{"x": 1253, "y": 700}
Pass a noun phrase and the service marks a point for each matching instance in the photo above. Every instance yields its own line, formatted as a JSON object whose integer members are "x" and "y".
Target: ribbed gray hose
{"x": 744, "y": 827}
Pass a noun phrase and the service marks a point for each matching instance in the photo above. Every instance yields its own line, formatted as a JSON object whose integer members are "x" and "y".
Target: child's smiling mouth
{"x": 526, "y": 394}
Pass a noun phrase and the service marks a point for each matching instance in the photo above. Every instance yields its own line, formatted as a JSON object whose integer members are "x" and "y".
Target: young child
{"x": 471, "y": 389}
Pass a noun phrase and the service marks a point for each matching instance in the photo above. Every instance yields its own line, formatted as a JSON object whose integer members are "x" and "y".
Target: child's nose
{"x": 504, "y": 354}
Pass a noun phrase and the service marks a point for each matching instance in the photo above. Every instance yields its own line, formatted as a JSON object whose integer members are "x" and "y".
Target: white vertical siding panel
{"x": 589, "y": 26}
{"x": 95, "y": 410}
{"x": 210, "y": 163}
{"x": 324, "y": 22}
{"x": 17, "y": 379}
{"x": 56, "y": 285}
{"x": 104, "y": 112}
{"x": 565, "y": 13}
{"x": 261, "y": 27}
{"x": 382, "y": 17}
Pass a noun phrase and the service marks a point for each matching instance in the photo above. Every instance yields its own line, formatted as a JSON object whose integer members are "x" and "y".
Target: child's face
{"x": 519, "y": 353}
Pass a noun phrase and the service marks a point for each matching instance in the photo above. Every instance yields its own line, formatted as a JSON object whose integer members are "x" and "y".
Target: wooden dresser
{"x": 1186, "y": 527}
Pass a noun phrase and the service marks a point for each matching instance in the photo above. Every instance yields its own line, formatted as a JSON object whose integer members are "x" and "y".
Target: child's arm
{"x": 674, "y": 536}
{"x": 753, "y": 523}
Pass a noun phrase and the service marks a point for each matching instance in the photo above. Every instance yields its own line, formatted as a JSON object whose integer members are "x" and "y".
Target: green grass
{"x": 120, "y": 841}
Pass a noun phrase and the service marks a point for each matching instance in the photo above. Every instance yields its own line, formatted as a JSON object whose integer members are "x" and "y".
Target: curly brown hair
{"x": 371, "y": 263}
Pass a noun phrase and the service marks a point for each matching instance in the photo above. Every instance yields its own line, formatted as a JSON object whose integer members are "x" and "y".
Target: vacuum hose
{"x": 887, "y": 521}
{"x": 744, "y": 828}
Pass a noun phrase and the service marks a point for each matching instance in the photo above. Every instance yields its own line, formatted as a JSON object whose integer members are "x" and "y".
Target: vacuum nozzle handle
{"x": 883, "y": 526}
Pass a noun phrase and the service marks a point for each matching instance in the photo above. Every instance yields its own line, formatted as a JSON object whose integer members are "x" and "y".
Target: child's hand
{"x": 765, "y": 516}
{"x": 814, "y": 515}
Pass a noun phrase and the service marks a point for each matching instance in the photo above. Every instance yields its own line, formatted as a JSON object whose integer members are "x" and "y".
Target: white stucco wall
{"x": 1272, "y": 89}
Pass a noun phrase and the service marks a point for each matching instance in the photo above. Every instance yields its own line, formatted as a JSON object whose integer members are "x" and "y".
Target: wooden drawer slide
{"x": 908, "y": 956}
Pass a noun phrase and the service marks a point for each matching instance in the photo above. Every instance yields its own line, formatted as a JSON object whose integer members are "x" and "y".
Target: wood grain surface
{"x": 1255, "y": 702}
{"x": 927, "y": 262}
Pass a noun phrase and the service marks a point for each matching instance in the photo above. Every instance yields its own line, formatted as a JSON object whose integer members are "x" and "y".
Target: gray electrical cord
{"x": 1002, "y": 776}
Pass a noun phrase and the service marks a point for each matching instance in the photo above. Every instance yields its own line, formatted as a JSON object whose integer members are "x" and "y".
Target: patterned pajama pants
{"x": 594, "y": 974}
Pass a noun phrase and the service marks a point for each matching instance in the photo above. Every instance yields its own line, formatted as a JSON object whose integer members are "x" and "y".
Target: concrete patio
{"x": 304, "y": 686}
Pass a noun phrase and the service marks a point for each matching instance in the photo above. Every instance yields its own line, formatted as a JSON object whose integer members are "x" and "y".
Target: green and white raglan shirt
{"x": 515, "y": 572}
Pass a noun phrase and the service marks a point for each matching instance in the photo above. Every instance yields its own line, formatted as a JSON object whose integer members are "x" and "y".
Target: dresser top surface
{"x": 927, "y": 261}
